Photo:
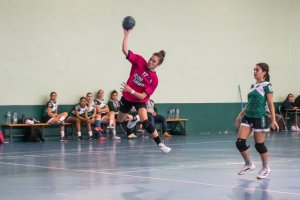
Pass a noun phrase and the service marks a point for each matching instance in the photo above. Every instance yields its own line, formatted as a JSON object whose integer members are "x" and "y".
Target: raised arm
{"x": 125, "y": 42}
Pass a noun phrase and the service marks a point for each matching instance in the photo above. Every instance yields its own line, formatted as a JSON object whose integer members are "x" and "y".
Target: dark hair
{"x": 265, "y": 68}
{"x": 99, "y": 91}
{"x": 287, "y": 97}
{"x": 113, "y": 92}
{"x": 88, "y": 93}
{"x": 52, "y": 93}
{"x": 161, "y": 55}
{"x": 81, "y": 98}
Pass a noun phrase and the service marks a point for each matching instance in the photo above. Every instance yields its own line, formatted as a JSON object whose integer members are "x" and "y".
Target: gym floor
{"x": 200, "y": 166}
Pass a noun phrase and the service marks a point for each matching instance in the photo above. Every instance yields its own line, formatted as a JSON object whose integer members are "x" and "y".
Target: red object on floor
{"x": 1, "y": 138}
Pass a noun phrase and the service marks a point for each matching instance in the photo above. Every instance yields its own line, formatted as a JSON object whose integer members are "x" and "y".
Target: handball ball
{"x": 128, "y": 23}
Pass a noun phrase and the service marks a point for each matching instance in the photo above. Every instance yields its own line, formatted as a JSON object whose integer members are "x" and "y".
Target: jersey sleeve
{"x": 135, "y": 59}
{"x": 268, "y": 88}
{"x": 49, "y": 105}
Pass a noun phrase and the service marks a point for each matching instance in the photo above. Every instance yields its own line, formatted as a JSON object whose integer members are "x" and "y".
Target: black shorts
{"x": 47, "y": 119}
{"x": 257, "y": 124}
{"x": 125, "y": 106}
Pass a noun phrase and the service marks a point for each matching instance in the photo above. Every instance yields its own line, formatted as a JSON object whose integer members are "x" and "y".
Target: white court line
{"x": 155, "y": 178}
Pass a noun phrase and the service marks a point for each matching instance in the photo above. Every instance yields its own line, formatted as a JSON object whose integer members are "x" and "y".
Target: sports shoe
{"x": 102, "y": 138}
{"x": 80, "y": 139}
{"x": 166, "y": 134}
{"x": 91, "y": 138}
{"x": 64, "y": 139}
{"x": 164, "y": 148}
{"x": 263, "y": 173}
{"x": 98, "y": 129}
{"x": 132, "y": 136}
{"x": 132, "y": 123}
{"x": 115, "y": 137}
{"x": 246, "y": 168}
{"x": 141, "y": 131}
{"x": 110, "y": 127}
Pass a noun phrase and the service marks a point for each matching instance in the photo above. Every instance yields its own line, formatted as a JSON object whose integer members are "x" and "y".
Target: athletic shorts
{"x": 125, "y": 106}
{"x": 257, "y": 124}
{"x": 47, "y": 119}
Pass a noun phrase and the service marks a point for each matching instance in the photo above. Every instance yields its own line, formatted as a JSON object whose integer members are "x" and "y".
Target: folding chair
{"x": 283, "y": 118}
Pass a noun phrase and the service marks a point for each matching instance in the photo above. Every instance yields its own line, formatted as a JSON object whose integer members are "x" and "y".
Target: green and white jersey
{"x": 80, "y": 110}
{"x": 52, "y": 105}
{"x": 91, "y": 108}
{"x": 257, "y": 99}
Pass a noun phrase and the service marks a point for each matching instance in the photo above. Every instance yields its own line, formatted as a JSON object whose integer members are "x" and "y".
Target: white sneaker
{"x": 246, "y": 168}
{"x": 132, "y": 136}
{"x": 110, "y": 127}
{"x": 164, "y": 148}
{"x": 132, "y": 123}
{"x": 115, "y": 137}
{"x": 293, "y": 128}
{"x": 263, "y": 173}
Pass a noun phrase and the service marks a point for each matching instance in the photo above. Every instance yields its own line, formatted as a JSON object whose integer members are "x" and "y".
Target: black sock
{"x": 157, "y": 140}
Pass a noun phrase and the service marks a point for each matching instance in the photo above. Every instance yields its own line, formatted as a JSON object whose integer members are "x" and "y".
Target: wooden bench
{"x": 178, "y": 120}
{"x": 11, "y": 126}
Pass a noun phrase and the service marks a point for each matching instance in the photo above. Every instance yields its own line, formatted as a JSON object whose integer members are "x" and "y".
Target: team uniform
{"x": 141, "y": 79}
{"x": 53, "y": 106}
{"x": 91, "y": 109}
{"x": 102, "y": 104}
{"x": 81, "y": 111}
{"x": 255, "y": 113}
{"x": 256, "y": 119}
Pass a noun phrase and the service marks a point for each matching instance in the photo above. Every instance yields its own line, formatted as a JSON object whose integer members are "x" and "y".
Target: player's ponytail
{"x": 265, "y": 68}
{"x": 161, "y": 55}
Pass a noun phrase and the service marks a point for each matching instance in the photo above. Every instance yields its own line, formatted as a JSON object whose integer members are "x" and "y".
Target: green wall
{"x": 201, "y": 117}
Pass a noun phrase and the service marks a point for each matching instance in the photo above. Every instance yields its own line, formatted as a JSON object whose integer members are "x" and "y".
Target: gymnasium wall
{"x": 74, "y": 47}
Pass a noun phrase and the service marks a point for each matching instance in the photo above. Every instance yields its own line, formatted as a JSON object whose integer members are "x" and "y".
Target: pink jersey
{"x": 141, "y": 79}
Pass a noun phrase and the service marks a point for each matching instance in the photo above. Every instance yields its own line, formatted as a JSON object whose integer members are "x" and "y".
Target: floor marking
{"x": 156, "y": 178}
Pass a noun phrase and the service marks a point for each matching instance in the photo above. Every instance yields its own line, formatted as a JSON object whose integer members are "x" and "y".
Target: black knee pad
{"x": 241, "y": 145}
{"x": 261, "y": 148}
{"x": 148, "y": 126}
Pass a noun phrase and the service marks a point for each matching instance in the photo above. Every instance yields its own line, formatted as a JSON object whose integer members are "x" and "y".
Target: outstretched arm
{"x": 125, "y": 43}
{"x": 127, "y": 88}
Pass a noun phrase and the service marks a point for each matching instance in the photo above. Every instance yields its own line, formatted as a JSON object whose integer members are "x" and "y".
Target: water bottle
{"x": 177, "y": 113}
{"x": 15, "y": 117}
{"x": 169, "y": 114}
{"x": 8, "y": 118}
{"x": 173, "y": 113}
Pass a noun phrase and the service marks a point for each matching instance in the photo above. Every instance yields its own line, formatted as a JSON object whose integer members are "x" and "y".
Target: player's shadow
{"x": 252, "y": 189}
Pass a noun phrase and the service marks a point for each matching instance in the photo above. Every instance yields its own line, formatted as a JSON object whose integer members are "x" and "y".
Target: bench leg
{"x": 10, "y": 136}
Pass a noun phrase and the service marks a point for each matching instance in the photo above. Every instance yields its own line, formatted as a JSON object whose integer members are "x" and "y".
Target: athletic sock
{"x": 157, "y": 140}
{"x": 111, "y": 122}
{"x": 90, "y": 133}
{"x": 62, "y": 134}
{"x": 98, "y": 123}
{"x": 79, "y": 134}
{"x": 62, "y": 118}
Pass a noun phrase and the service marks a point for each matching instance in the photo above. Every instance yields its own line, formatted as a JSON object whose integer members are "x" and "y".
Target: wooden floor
{"x": 200, "y": 166}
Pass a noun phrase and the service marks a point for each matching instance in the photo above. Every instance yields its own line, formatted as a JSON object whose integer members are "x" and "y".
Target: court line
{"x": 156, "y": 178}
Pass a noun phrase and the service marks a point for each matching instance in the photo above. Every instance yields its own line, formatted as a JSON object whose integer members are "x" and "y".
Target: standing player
{"x": 140, "y": 85}
{"x": 253, "y": 117}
